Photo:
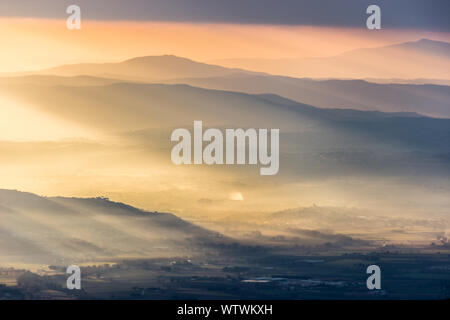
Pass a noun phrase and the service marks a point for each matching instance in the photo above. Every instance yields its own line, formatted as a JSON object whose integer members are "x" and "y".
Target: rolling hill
{"x": 427, "y": 99}
{"x": 148, "y": 68}
{"x": 424, "y": 58}
{"x": 149, "y": 112}
{"x": 42, "y": 230}
{"x": 325, "y": 154}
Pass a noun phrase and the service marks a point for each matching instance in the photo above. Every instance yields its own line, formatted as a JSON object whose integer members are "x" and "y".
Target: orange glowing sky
{"x": 31, "y": 44}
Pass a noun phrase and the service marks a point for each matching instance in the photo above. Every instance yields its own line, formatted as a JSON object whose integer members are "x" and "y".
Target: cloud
{"x": 408, "y": 14}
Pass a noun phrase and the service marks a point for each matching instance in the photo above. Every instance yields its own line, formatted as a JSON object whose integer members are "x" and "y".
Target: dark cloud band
{"x": 411, "y": 14}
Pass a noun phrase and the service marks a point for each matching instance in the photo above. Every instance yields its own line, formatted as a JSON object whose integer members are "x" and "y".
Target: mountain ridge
{"x": 426, "y": 99}
{"x": 54, "y": 229}
{"x": 145, "y": 68}
{"x": 414, "y": 59}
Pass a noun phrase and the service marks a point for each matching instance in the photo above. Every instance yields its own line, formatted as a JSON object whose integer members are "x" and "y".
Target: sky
{"x": 410, "y": 14}
{"x": 35, "y": 34}
{"x": 38, "y": 43}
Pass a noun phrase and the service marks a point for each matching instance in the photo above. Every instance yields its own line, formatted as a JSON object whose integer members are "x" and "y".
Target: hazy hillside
{"x": 441, "y": 82}
{"x": 363, "y": 223}
{"x": 327, "y": 156}
{"x": 420, "y": 59}
{"x": 345, "y": 226}
{"x": 363, "y": 142}
{"x": 426, "y": 99}
{"x": 40, "y": 230}
{"x": 144, "y": 68}
{"x": 132, "y": 107}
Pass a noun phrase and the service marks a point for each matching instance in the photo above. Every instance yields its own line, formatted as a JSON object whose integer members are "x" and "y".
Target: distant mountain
{"x": 360, "y": 221}
{"x": 441, "y": 82}
{"x": 43, "y": 230}
{"x": 320, "y": 141}
{"x": 410, "y": 60}
{"x": 375, "y": 157}
{"x": 149, "y": 68}
{"x": 419, "y": 59}
{"x": 134, "y": 106}
{"x": 422, "y": 98}
{"x": 426, "y": 99}
{"x": 425, "y": 46}
{"x": 422, "y": 46}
